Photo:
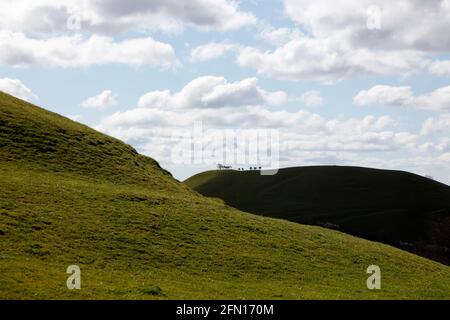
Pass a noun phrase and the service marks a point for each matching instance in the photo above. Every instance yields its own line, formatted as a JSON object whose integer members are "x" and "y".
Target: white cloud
{"x": 114, "y": 17}
{"x": 279, "y": 36}
{"x": 337, "y": 42}
{"x": 436, "y": 125}
{"x": 306, "y": 138}
{"x": 211, "y": 51}
{"x": 81, "y": 33}
{"x": 169, "y": 15}
{"x": 301, "y": 132}
{"x": 213, "y": 92}
{"x": 16, "y": 88}
{"x": 219, "y": 104}
{"x": 385, "y": 95}
{"x": 326, "y": 59}
{"x": 311, "y": 98}
{"x": 440, "y": 145}
{"x": 438, "y": 100}
{"x": 440, "y": 68}
{"x": 17, "y": 50}
{"x": 404, "y": 24}
{"x": 101, "y": 101}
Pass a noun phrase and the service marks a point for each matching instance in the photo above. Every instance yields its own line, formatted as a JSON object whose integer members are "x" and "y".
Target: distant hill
{"x": 395, "y": 207}
{"x": 72, "y": 196}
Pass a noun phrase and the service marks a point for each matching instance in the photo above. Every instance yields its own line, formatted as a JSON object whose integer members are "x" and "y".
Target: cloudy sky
{"x": 345, "y": 82}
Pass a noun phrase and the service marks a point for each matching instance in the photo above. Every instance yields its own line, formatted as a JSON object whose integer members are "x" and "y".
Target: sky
{"x": 193, "y": 84}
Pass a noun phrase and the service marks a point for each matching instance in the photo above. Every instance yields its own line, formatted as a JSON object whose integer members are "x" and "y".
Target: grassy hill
{"x": 71, "y": 195}
{"x": 395, "y": 207}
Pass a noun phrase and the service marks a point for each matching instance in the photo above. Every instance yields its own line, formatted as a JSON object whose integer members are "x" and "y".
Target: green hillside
{"x": 394, "y": 207}
{"x": 72, "y": 196}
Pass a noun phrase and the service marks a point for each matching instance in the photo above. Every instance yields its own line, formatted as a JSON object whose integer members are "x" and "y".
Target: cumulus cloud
{"x": 213, "y": 92}
{"x": 441, "y": 145}
{"x": 436, "y": 125}
{"x": 16, "y": 88}
{"x": 384, "y": 95}
{"x": 17, "y": 50}
{"x": 216, "y": 103}
{"x": 339, "y": 42}
{"x": 311, "y": 98}
{"x": 403, "y": 24}
{"x": 306, "y": 138}
{"x": 116, "y": 17}
{"x": 221, "y": 15}
{"x": 101, "y": 101}
{"x": 302, "y": 133}
{"x": 279, "y": 36}
{"x": 212, "y": 50}
{"x": 326, "y": 59}
{"x": 438, "y": 100}
{"x": 440, "y": 67}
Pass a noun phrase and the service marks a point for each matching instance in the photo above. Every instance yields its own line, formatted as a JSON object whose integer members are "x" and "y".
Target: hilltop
{"x": 395, "y": 207}
{"x": 73, "y": 196}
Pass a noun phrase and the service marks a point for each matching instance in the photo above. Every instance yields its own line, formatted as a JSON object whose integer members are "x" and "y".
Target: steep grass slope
{"x": 72, "y": 196}
{"x": 391, "y": 206}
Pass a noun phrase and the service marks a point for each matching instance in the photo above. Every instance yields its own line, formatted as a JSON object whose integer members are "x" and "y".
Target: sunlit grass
{"x": 137, "y": 233}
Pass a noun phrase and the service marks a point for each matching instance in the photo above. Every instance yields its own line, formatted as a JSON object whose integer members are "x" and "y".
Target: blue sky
{"x": 341, "y": 82}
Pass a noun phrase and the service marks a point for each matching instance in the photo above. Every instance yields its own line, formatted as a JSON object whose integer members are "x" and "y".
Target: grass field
{"x": 72, "y": 196}
{"x": 395, "y": 207}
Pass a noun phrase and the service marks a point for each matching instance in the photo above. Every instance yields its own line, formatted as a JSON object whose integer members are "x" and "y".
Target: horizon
{"x": 359, "y": 87}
